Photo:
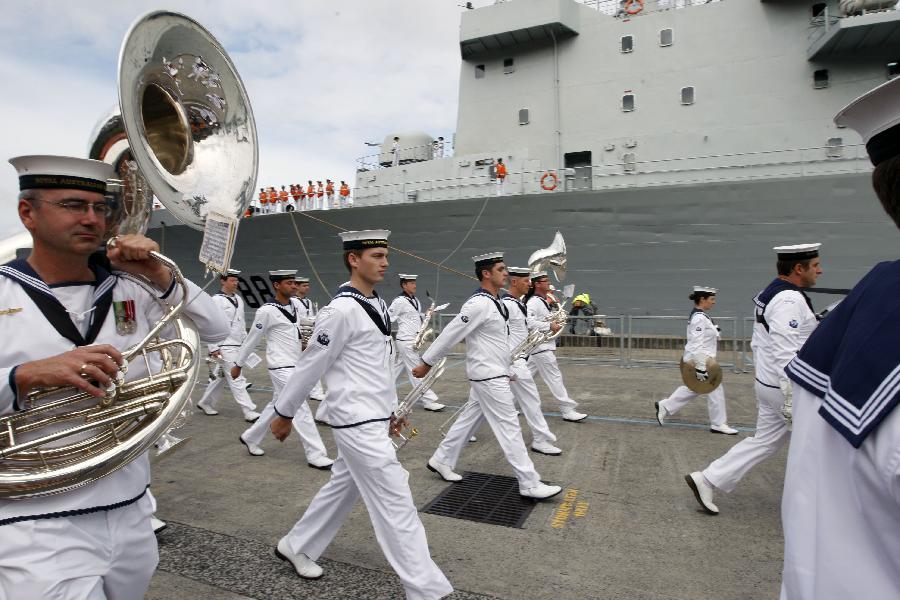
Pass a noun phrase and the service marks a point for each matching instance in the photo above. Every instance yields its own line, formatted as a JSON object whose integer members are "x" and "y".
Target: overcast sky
{"x": 323, "y": 76}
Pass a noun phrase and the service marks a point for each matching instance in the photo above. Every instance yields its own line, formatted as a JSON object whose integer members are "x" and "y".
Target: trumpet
{"x": 407, "y": 432}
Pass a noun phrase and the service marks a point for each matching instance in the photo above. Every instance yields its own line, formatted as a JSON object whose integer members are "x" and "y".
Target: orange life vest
{"x": 283, "y": 195}
{"x": 310, "y": 191}
{"x": 319, "y": 192}
{"x": 273, "y": 196}
{"x": 330, "y": 189}
{"x": 345, "y": 190}
{"x": 296, "y": 193}
{"x": 501, "y": 170}
{"x": 263, "y": 198}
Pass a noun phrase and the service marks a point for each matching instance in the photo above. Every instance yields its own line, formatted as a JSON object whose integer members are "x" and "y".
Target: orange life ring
{"x": 633, "y": 7}
{"x": 553, "y": 181}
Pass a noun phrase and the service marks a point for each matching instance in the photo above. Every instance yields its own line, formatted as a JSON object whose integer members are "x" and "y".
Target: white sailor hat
{"x": 369, "y": 238}
{"x": 797, "y": 251}
{"x": 519, "y": 271}
{"x": 407, "y": 277}
{"x": 230, "y": 273}
{"x": 299, "y": 279}
{"x": 876, "y": 117}
{"x": 282, "y": 275}
{"x": 538, "y": 275}
{"x": 705, "y": 290}
{"x": 62, "y": 172}
{"x": 483, "y": 260}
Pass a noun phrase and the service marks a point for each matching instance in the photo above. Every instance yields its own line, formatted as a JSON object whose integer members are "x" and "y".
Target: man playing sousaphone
{"x": 65, "y": 318}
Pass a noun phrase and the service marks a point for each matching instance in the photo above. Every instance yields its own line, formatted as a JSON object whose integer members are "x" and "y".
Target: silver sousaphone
{"x": 184, "y": 131}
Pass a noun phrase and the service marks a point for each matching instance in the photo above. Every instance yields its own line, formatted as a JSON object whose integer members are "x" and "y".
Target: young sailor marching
{"x": 306, "y": 309}
{"x": 784, "y": 319}
{"x": 841, "y": 505}
{"x": 406, "y": 312}
{"x": 543, "y": 360}
{"x": 277, "y": 321}
{"x": 702, "y": 344}
{"x": 225, "y": 353}
{"x": 64, "y": 320}
{"x": 522, "y": 384}
{"x": 482, "y": 323}
{"x": 351, "y": 349}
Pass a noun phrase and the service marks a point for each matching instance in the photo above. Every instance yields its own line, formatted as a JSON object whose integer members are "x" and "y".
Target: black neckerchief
{"x": 518, "y": 303}
{"x": 292, "y": 317}
{"x": 305, "y": 303}
{"x": 382, "y": 321}
{"x": 412, "y": 300}
{"x": 777, "y": 286}
{"x": 53, "y": 310}
{"x": 542, "y": 300}
{"x": 702, "y": 312}
{"x": 233, "y": 301}
{"x": 504, "y": 312}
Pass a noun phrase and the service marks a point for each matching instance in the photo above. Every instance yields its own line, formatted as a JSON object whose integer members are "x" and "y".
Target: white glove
{"x": 787, "y": 389}
{"x": 701, "y": 374}
{"x": 700, "y": 371}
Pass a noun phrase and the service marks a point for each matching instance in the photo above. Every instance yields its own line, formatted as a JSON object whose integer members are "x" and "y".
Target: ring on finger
{"x": 83, "y": 369}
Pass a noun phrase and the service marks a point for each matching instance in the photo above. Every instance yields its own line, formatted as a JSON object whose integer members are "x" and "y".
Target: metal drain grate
{"x": 483, "y": 498}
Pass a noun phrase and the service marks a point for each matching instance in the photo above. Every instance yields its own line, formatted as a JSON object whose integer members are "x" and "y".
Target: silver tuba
{"x": 184, "y": 132}
{"x": 553, "y": 258}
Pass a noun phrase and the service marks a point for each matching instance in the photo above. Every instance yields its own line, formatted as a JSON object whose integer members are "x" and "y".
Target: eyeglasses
{"x": 80, "y": 207}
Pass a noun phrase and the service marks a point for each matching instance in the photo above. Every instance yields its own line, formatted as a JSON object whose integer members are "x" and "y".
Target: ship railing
{"x": 821, "y": 23}
{"x": 616, "y": 8}
{"x": 372, "y": 162}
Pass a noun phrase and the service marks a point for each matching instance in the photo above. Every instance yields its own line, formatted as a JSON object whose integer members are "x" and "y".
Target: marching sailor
{"x": 406, "y": 312}
{"x": 225, "y": 353}
{"x": 483, "y": 324}
{"x": 64, "y": 319}
{"x": 841, "y": 504}
{"x": 702, "y": 343}
{"x": 277, "y": 322}
{"x": 351, "y": 349}
{"x": 543, "y": 360}
{"x": 522, "y": 384}
{"x": 306, "y": 309}
{"x": 784, "y": 320}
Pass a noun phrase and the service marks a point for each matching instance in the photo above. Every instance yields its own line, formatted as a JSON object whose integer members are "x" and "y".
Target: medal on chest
{"x": 124, "y": 311}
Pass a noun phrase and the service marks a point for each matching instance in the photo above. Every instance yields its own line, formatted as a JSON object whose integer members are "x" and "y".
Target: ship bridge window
{"x": 523, "y": 116}
{"x": 509, "y": 66}
{"x": 628, "y": 102}
{"x": 893, "y": 69}
{"x": 687, "y": 95}
{"x": 666, "y": 37}
{"x": 479, "y": 71}
{"x": 834, "y": 149}
{"x": 629, "y": 163}
{"x": 820, "y": 79}
{"x": 627, "y": 44}
{"x": 818, "y": 9}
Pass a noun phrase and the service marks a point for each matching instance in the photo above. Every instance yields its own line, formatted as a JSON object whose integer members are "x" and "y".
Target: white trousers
{"x": 366, "y": 466}
{"x": 500, "y": 182}
{"x": 771, "y": 434}
{"x": 303, "y": 420}
{"x": 109, "y": 554}
{"x": 408, "y": 359}
{"x": 238, "y": 386}
{"x": 715, "y": 402}
{"x": 491, "y": 401}
{"x": 545, "y": 365}
{"x": 526, "y": 393}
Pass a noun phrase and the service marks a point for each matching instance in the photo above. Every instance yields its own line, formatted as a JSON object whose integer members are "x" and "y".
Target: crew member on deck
{"x": 263, "y": 201}
{"x": 273, "y": 200}
{"x": 345, "y": 195}
{"x": 483, "y": 324}
{"x": 320, "y": 194}
{"x": 64, "y": 321}
{"x": 702, "y": 344}
{"x": 283, "y": 198}
{"x": 277, "y": 322}
{"x": 501, "y": 176}
{"x": 841, "y": 505}
{"x": 297, "y": 195}
{"x": 406, "y": 312}
{"x": 329, "y": 194}
{"x": 351, "y": 349}
{"x": 784, "y": 320}
{"x": 395, "y": 152}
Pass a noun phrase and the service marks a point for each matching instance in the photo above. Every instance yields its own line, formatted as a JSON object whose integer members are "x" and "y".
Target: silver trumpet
{"x": 407, "y": 432}
{"x": 426, "y": 332}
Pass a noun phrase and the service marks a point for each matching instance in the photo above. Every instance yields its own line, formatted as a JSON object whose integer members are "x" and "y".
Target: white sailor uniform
{"x": 305, "y": 308}
{"x": 522, "y": 383}
{"x": 278, "y": 323}
{"x": 482, "y": 322}
{"x": 406, "y": 312}
{"x": 841, "y": 504}
{"x": 351, "y": 350}
{"x": 233, "y": 308}
{"x": 702, "y": 343}
{"x": 784, "y": 320}
{"x": 95, "y": 541}
{"x": 543, "y": 359}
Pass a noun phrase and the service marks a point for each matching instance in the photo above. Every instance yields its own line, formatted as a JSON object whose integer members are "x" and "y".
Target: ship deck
{"x": 625, "y": 526}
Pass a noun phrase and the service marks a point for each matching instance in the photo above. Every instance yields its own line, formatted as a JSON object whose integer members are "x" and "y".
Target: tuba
{"x": 184, "y": 132}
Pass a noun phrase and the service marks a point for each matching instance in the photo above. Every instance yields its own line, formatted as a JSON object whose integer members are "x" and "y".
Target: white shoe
{"x": 661, "y": 413}
{"x": 443, "y": 470}
{"x": 207, "y": 410}
{"x": 251, "y": 416}
{"x": 541, "y": 491}
{"x": 304, "y": 566}
{"x": 573, "y": 416}
{"x": 703, "y": 492}
{"x": 473, "y": 439}
{"x": 157, "y": 524}
{"x": 433, "y": 406}
{"x": 322, "y": 462}
{"x": 723, "y": 428}
{"x": 253, "y": 449}
{"x": 545, "y": 448}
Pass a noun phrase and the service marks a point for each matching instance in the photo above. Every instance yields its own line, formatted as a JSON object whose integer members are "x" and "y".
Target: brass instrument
{"x": 551, "y": 258}
{"x": 407, "y": 431}
{"x": 213, "y": 365}
{"x": 426, "y": 332}
{"x": 184, "y": 131}
{"x": 305, "y": 326}
{"x": 689, "y": 376}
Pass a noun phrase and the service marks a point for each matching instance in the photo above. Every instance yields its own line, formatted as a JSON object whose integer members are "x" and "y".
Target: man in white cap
{"x": 543, "y": 359}
{"x": 277, "y": 322}
{"x": 307, "y": 309}
{"x": 232, "y": 305}
{"x": 406, "y": 312}
{"x": 483, "y": 324}
{"x": 841, "y": 505}
{"x": 351, "y": 349}
{"x": 522, "y": 383}
{"x": 65, "y": 320}
{"x": 784, "y": 320}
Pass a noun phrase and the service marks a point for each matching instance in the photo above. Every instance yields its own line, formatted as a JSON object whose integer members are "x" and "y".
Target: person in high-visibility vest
{"x": 320, "y": 194}
{"x": 283, "y": 196}
{"x": 329, "y": 194}
{"x": 263, "y": 201}
{"x": 310, "y": 196}
{"x": 345, "y": 195}
{"x": 501, "y": 176}
{"x": 297, "y": 195}
{"x": 273, "y": 200}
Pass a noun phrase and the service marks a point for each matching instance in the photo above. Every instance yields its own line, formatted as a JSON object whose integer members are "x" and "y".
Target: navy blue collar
{"x": 501, "y": 308}
{"x": 382, "y": 321}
